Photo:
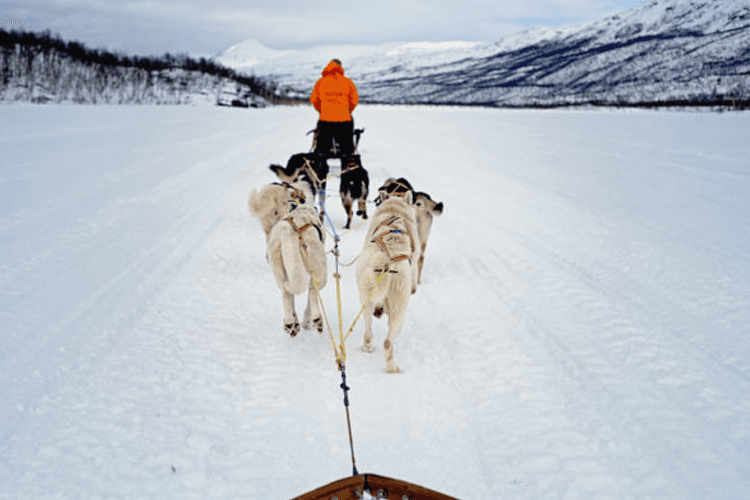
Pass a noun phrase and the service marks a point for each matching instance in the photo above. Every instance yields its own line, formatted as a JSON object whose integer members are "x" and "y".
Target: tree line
{"x": 40, "y": 67}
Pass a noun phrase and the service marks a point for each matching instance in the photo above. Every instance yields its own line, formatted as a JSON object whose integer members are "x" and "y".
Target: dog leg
{"x": 306, "y": 321}
{"x": 421, "y": 264}
{"x": 395, "y": 324}
{"x": 347, "y": 202}
{"x": 362, "y": 208}
{"x": 395, "y": 306}
{"x": 414, "y": 271}
{"x": 313, "y": 317}
{"x": 368, "y": 345}
{"x": 322, "y": 201}
{"x": 291, "y": 323}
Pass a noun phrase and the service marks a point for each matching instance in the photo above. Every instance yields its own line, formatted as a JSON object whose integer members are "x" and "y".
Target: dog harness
{"x": 300, "y": 230}
{"x": 312, "y": 173}
{"x": 379, "y": 240}
{"x": 396, "y": 188}
{"x": 349, "y": 167}
{"x": 298, "y": 196}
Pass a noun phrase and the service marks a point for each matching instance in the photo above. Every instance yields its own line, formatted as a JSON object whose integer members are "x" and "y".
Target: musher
{"x": 335, "y": 97}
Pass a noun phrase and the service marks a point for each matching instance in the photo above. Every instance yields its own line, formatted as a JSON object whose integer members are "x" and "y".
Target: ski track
{"x": 580, "y": 332}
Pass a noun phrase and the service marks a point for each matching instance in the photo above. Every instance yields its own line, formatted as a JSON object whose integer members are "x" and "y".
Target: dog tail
{"x": 255, "y": 203}
{"x": 297, "y": 279}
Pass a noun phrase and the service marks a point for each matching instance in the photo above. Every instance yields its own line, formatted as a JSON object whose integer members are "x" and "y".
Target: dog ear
{"x": 275, "y": 168}
{"x": 408, "y": 197}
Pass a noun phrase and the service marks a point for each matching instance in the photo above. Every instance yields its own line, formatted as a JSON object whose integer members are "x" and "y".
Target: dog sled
{"x": 334, "y": 151}
{"x": 372, "y": 486}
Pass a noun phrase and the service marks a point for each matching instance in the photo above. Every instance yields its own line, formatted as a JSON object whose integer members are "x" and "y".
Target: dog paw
{"x": 368, "y": 347}
{"x": 292, "y": 328}
{"x": 318, "y": 324}
{"x": 392, "y": 368}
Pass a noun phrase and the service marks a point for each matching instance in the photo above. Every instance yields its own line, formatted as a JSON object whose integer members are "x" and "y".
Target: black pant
{"x": 341, "y": 132}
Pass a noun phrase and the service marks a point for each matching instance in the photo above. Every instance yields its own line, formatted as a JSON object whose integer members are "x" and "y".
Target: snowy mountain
{"x": 662, "y": 51}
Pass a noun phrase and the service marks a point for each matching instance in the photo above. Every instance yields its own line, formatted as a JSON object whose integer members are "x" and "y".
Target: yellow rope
{"x": 325, "y": 316}
{"x": 316, "y": 284}
{"x": 340, "y": 351}
{"x": 364, "y": 305}
{"x": 342, "y": 347}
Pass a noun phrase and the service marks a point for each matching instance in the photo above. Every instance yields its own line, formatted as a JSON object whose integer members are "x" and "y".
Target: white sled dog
{"x": 295, "y": 249}
{"x": 426, "y": 209}
{"x": 387, "y": 269}
{"x": 273, "y": 202}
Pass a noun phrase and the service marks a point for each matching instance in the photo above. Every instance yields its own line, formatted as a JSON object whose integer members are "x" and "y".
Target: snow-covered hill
{"x": 582, "y": 330}
{"x": 661, "y": 51}
{"x": 40, "y": 68}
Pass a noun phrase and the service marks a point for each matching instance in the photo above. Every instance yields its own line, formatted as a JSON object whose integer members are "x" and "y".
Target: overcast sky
{"x": 207, "y": 27}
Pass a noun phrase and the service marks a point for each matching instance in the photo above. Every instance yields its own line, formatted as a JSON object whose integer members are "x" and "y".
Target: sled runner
{"x": 354, "y": 488}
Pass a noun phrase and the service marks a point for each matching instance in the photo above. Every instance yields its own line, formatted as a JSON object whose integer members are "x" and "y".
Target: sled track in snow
{"x": 575, "y": 335}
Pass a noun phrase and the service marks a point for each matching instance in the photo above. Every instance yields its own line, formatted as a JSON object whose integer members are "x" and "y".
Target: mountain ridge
{"x": 662, "y": 51}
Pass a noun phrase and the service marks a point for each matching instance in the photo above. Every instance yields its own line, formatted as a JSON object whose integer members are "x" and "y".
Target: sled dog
{"x": 393, "y": 187}
{"x": 295, "y": 250}
{"x": 387, "y": 270}
{"x": 426, "y": 209}
{"x": 273, "y": 202}
{"x": 306, "y": 167}
{"x": 355, "y": 185}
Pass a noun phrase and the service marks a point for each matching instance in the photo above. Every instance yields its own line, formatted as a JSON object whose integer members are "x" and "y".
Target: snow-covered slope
{"x": 581, "y": 331}
{"x": 299, "y": 69}
{"x": 664, "y": 50}
{"x": 41, "y": 68}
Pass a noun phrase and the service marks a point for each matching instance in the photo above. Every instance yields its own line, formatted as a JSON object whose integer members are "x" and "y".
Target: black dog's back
{"x": 319, "y": 167}
{"x": 295, "y": 170}
{"x": 354, "y": 178}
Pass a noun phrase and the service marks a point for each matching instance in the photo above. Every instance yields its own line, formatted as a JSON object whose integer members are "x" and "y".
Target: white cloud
{"x": 209, "y": 27}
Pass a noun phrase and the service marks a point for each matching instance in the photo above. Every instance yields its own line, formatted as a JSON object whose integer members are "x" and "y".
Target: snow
{"x": 581, "y": 330}
{"x": 419, "y": 48}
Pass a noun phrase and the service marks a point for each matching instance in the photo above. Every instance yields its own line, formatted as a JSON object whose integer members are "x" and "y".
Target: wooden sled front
{"x": 354, "y": 488}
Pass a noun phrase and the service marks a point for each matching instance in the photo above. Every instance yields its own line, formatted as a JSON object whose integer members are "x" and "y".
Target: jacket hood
{"x": 332, "y": 68}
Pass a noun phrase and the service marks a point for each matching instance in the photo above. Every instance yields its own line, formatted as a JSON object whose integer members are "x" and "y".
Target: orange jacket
{"x": 334, "y": 95}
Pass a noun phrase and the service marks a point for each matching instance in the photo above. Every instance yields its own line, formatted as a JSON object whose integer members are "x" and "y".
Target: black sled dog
{"x": 313, "y": 169}
{"x": 305, "y": 167}
{"x": 355, "y": 185}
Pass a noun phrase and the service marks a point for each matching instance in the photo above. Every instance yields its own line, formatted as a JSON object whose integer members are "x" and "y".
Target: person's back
{"x": 334, "y": 97}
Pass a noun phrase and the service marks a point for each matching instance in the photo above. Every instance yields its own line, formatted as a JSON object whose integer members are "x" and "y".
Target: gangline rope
{"x": 340, "y": 350}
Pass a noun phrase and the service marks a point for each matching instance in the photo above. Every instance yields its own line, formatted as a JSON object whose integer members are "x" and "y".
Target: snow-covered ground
{"x": 582, "y": 330}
